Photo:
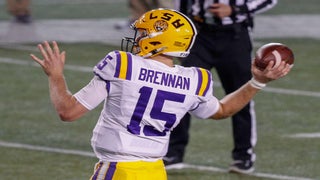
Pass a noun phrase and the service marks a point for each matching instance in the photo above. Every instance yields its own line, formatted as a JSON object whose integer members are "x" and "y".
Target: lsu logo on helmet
{"x": 160, "y": 25}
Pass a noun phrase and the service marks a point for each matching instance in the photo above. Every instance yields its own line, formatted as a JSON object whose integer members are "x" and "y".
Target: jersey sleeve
{"x": 116, "y": 65}
{"x": 208, "y": 104}
{"x": 206, "y": 108}
{"x": 93, "y": 93}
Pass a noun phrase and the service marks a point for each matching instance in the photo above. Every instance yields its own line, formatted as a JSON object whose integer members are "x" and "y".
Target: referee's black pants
{"x": 230, "y": 54}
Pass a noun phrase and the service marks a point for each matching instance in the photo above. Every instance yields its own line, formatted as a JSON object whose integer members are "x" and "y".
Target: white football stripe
{"x": 184, "y": 165}
{"x": 305, "y": 135}
{"x": 277, "y": 55}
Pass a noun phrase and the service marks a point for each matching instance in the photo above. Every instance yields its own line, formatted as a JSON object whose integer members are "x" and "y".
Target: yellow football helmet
{"x": 162, "y": 31}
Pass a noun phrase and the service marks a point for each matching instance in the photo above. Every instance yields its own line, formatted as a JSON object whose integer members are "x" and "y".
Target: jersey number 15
{"x": 155, "y": 113}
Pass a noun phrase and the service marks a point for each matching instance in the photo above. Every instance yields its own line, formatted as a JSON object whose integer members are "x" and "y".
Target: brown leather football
{"x": 273, "y": 52}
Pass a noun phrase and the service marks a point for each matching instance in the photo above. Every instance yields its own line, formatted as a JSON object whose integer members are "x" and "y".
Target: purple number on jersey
{"x": 156, "y": 113}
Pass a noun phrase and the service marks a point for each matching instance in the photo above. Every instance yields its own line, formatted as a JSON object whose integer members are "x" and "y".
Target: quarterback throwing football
{"x": 145, "y": 95}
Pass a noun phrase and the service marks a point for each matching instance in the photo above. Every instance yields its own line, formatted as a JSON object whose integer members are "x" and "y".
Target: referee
{"x": 224, "y": 43}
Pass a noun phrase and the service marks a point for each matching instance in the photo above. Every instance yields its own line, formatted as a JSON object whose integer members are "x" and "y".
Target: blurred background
{"x": 34, "y": 144}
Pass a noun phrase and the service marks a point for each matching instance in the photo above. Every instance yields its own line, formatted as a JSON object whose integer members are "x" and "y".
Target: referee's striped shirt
{"x": 243, "y": 9}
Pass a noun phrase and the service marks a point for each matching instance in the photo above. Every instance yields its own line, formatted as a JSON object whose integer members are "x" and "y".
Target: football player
{"x": 145, "y": 95}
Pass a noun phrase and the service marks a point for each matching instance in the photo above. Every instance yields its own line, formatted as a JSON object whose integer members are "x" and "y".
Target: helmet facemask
{"x": 128, "y": 44}
{"x": 140, "y": 38}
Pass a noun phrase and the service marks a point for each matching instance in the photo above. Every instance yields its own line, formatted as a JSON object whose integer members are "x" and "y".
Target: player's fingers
{"x": 287, "y": 68}
{"x": 283, "y": 67}
{"x": 270, "y": 66}
{"x": 283, "y": 73}
{"x": 43, "y": 52}
{"x": 56, "y": 49}
{"x": 63, "y": 57}
{"x": 48, "y": 49}
{"x": 35, "y": 58}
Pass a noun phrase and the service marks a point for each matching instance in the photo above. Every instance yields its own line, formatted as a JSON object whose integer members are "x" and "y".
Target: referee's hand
{"x": 220, "y": 10}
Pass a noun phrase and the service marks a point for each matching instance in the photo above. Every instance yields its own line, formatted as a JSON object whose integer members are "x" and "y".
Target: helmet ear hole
{"x": 155, "y": 43}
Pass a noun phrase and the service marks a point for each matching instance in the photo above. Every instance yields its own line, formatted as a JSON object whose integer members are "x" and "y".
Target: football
{"x": 273, "y": 52}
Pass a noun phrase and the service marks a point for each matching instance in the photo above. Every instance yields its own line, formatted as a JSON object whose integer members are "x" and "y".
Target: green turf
{"x": 27, "y": 117}
{"x": 24, "y": 164}
{"x": 296, "y": 7}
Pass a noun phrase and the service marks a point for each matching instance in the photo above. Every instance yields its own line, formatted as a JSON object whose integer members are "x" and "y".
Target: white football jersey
{"x": 144, "y": 100}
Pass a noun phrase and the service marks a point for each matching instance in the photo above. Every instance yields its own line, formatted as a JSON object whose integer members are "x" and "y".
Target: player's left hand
{"x": 52, "y": 61}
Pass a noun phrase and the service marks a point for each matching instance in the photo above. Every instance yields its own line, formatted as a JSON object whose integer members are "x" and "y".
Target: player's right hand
{"x": 270, "y": 73}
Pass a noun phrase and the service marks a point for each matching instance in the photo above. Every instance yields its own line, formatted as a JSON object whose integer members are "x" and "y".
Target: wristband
{"x": 256, "y": 84}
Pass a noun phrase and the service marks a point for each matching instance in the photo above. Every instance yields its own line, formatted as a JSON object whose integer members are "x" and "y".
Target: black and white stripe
{"x": 247, "y": 8}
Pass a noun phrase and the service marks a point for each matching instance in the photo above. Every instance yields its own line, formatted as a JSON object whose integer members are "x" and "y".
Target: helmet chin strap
{"x": 153, "y": 52}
